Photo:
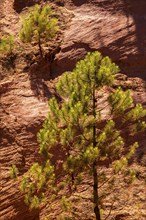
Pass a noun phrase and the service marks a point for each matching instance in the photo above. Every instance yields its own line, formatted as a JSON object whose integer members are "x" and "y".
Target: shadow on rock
{"x": 18, "y": 5}
{"x": 9, "y": 61}
{"x": 38, "y": 74}
{"x": 25, "y": 212}
{"x": 79, "y": 3}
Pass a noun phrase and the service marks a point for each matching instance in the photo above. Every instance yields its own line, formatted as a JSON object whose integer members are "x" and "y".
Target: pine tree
{"x": 38, "y": 26}
{"x": 78, "y": 126}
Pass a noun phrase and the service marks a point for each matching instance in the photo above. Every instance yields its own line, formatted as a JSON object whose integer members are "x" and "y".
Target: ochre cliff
{"x": 22, "y": 114}
{"x": 117, "y": 29}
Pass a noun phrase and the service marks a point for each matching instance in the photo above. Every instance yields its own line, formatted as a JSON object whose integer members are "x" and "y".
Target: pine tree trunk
{"x": 95, "y": 176}
{"x": 95, "y": 193}
{"x": 40, "y": 48}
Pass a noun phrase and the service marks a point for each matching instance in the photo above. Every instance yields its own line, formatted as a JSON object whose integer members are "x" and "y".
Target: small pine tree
{"x": 78, "y": 125}
{"x": 38, "y": 26}
{"x": 14, "y": 172}
{"x": 7, "y": 44}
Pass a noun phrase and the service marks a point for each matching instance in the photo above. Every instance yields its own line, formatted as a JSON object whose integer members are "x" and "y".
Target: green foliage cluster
{"x": 13, "y": 172}
{"x": 77, "y": 126}
{"x": 7, "y": 44}
{"x": 38, "y": 26}
{"x": 35, "y": 181}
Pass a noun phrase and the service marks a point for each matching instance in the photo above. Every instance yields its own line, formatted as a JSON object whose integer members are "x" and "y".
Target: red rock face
{"x": 116, "y": 28}
{"x": 22, "y": 114}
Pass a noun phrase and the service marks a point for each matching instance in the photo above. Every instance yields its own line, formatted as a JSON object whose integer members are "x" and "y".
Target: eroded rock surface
{"x": 22, "y": 114}
{"x": 116, "y": 28}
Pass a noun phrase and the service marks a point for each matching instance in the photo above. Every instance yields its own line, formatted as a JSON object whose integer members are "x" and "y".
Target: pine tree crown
{"x": 39, "y": 23}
